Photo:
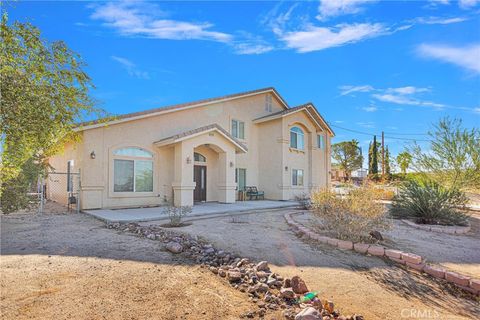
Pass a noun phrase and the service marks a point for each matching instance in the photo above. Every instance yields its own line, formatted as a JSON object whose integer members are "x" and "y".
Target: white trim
{"x": 160, "y": 112}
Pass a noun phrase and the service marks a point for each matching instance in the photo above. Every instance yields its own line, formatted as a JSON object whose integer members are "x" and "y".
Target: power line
{"x": 373, "y": 134}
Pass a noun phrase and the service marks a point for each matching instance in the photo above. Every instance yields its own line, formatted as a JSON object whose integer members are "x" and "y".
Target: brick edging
{"x": 441, "y": 229}
{"x": 410, "y": 260}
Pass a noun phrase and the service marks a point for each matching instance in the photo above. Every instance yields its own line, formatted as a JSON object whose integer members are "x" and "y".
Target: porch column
{"x": 226, "y": 177}
{"x": 183, "y": 184}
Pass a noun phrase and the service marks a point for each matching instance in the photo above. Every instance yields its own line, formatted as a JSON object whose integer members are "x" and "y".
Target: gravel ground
{"x": 369, "y": 286}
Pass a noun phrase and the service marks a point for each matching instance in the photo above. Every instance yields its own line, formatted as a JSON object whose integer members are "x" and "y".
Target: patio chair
{"x": 253, "y": 192}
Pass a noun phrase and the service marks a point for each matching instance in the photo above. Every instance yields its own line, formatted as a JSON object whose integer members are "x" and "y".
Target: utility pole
{"x": 383, "y": 155}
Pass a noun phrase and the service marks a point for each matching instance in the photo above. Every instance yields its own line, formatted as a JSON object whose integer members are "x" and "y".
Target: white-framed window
{"x": 238, "y": 129}
{"x": 241, "y": 178}
{"x": 268, "y": 103}
{"x": 199, "y": 157}
{"x": 321, "y": 141}
{"x": 132, "y": 170}
{"x": 297, "y": 138}
{"x": 297, "y": 177}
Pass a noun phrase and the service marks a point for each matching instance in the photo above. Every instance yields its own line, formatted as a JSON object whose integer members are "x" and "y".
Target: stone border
{"x": 410, "y": 260}
{"x": 438, "y": 228}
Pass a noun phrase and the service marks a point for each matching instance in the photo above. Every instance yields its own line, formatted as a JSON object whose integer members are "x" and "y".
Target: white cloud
{"x": 370, "y": 109}
{"x": 439, "y": 20}
{"x": 320, "y": 38}
{"x": 408, "y": 90}
{"x": 131, "y": 68}
{"x": 252, "y": 48}
{"x": 406, "y": 100}
{"x": 346, "y": 90}
{"x": 333, "y": 8}
{"x": 465, "y": 57}
{"x": 144, "y": 19}
{"x": 467, "y": 4}
{"x": 476, "y": 110}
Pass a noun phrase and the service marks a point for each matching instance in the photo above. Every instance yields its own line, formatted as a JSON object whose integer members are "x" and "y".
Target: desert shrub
{"x": 351, "y": 217}
{"x": 429, "y": 203}
{"x": 304, "y": 200}
{"x": 176, "y": 214}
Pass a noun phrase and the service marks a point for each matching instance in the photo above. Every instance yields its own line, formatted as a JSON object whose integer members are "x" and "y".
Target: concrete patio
{"x": 199, "y": 210}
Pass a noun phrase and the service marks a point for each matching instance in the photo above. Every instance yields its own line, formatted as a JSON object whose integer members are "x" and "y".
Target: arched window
{"x": 198, "y": 157}
{"x": 132, "y": 170}
{"x": 296, "y": 138}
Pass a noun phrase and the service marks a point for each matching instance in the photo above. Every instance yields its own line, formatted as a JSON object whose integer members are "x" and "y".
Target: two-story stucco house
{"x": 202, "y": 151}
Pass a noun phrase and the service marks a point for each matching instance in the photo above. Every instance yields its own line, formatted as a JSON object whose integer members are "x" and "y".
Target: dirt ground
{"x": 356, "y": 283}
{"x": 459, "y": 253}
{"x": 71, "y": 267}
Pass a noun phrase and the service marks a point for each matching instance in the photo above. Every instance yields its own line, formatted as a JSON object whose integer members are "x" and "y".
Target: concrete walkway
{"x": 199, "y": 210}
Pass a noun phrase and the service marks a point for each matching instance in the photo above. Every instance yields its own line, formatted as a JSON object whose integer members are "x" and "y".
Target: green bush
{"x": 429, "y": 203}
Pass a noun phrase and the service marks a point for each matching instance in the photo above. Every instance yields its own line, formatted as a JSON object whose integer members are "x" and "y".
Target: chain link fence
{"x": 61, "y": 188}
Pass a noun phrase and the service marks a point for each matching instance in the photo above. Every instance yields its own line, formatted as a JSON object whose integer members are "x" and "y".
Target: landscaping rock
{"x": 411, "y": 258}
{"x": 376, "y": 235}
{"x": 456, "y": 278}
{"x": 233, "y": 275}
{"x": 309, "y": 313}
{"x": 262, "y": 266}
{"x": 361, "y": 247}
{"x": 298, "y": 285}
{"x": 435, "y": 271}
{"x": 174, "y": 247}
{"x": 376, "y": 251}
{"x": 287, "y": 293}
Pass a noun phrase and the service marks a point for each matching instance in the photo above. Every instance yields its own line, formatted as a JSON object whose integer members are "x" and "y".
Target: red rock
{"x": 475, "y": 284}
{"x": 298, "y": 285}
{"x": 416, "y": 266}
{"x": 332, "y": 241}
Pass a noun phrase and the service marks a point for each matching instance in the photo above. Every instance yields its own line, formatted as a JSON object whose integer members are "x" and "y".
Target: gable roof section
{"x": 192, "y": 133}
{"x": 178, "y": 107}
{"x": 308, "y": 107}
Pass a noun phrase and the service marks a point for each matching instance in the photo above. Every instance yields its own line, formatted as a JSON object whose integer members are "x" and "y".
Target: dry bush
{"x": 352, "y": 217}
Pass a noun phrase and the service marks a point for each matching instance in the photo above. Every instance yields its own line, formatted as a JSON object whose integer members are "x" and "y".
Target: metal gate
{"x": 61, "y": 188}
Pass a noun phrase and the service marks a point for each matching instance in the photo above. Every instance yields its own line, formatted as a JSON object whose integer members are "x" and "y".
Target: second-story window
{"x": 238, "y": 129}
{"x": 268, "y": 103}
{"x": 296, "y": 138}
{"x": 321, "y": 141}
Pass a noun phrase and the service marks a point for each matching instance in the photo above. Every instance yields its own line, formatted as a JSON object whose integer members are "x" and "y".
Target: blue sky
{"x": 368, "y": 66}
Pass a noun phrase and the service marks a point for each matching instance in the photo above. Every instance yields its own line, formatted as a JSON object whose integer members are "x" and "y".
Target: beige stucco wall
{"x": 268, "y": 153}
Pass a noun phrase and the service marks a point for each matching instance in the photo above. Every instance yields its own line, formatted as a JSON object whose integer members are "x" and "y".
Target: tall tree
{"x": 453, "y": 158}
{"x": 373, "y": 157}
{"x": 387, "y": 163}
{"x": 44, "y": 93}
{"x": 347, "y": 155}
{"x": 404, "y": 159}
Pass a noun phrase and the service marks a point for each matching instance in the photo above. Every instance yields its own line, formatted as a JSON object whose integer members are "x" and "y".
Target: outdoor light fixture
{"x": 92, "y": 155}
{"x": 231, "y": 164}
{"x": 189, "y": 160}
{"x": 286, "y": 168}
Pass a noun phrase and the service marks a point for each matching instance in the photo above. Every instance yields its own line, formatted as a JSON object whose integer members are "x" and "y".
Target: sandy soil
{"x": 71, "y": 267}
{"x": 369, "y": 286}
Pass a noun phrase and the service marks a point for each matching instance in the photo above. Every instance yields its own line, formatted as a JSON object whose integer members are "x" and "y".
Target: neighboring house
{"x": 202, "y": 151}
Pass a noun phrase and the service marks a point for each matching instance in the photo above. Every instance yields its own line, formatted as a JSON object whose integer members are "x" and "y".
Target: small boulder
{"x": 376, "y": 235}
{"x": 287, "y": 293}
{"x": 222, "y": 273}
{"x": 298, "y": 285}
{"x": 262, "y": 266}
{"x": 308, "y": 313}
{"x": 234, "y": 276}
{"x": 174, "y": 247}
